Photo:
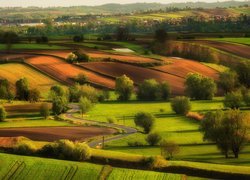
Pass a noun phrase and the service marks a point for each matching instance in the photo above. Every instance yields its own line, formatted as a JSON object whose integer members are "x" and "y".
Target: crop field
{"x": 64, "y": 71}
{"x": 181, "y": 67}
{"x": 21, "y": 167}
{"x": 35, "y": 78}
{"x": 125, "y": 174}
{"x": 236, "y": 49}
{"x": 137, "y": 74}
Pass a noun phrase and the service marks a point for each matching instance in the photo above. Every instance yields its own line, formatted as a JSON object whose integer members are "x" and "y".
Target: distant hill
{"x": 39, "y": 13}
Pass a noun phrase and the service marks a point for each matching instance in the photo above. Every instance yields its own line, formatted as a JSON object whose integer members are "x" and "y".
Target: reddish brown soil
{"x": 4, "y": 56}
{"x": 239, "y": 50}
{"x": 56, "y": 133}
{"x": 23, "y": 108}
{"x": 8, "y": 142}
{"x": 65, "y": 72}
{"x": 181, "y": 67}
{"x": 137, "y": 74}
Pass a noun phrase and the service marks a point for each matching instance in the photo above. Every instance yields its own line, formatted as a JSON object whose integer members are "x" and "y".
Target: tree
{"x": 227, "y": 129}
{"x": 144, "y": 120}
{"x": 56, "y": 90}
{"x": 59, "y": 105}
{"x": 122, "y": 34}
{"x": 85, "y": 105}
{"x": 228, "y": 80}
{"x": 82, "y": 56}
{"x": 42, "y": 39}
{"x": 164, "y": 91}
{"x": 72, "y": 58}
{"x": 3, "y": 113}
{"x": 148, "y": 90}
{"x": 247, "y": 98}
{"x": 45, "y": 110}
{"x": 34, "y": 95}
{"x": 199, "y": 87}
{"x": 243, "y": 71}
{"x": 81, "y": 79}
{"x": 9, "y": 38}
{"x": 169, "y": 148}
{"x": 181, "y": 105}
{"x": 153, "y": 139}
{"x": 161, "y": 35}
{"x": 233, "y": 100}
{"x": 124, "y": 87}
{"x": 78, "y": 38}
{"x": 22, "y": 89}
{"x": 4, "y": 89}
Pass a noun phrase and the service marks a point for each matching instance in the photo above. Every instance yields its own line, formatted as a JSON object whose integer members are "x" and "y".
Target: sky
{"x": 46, "y": 3}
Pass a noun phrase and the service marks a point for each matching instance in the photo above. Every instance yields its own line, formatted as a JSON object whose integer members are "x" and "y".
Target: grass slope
{"x": 245, "y": 41}
{"x": 33, "y": 47}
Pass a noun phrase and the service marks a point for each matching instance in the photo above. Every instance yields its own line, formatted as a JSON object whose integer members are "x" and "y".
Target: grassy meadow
{"x": 33, "y": 46}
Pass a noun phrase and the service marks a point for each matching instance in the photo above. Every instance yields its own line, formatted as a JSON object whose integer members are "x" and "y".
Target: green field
{"x": 245, "y": 40}
{"x": 33, "y": 46}
{"x": 21, "y": 167}
{"x": 182, "y": 130}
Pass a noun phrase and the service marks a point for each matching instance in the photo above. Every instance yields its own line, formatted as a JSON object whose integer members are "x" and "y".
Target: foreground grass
{"x": 21, "y": 167}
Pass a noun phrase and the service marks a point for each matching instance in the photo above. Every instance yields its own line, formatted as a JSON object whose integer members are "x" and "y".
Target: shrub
{"x": 72, "y": 58}
{"x": 153, "y": 139}
{"x": 34, "y": 95}
{"x": 195, "y": 116}
{"x": 199, "y": 87}
{"x": 77, "y": 91}
{"x": 3, "y": 113}
{"x": 81, "y": 152}
{"x": 55, "y": 91}
{"x": 135, "y": 143}
{"x": 148, "y": 90}
{"x": 228, "y": 80}
{"x": 169, "y": 149}
{"x": 59, "y": 105}
{"x": 22, "y": 89}
{"x": 85, "y": 105}
{"x": 25, "y": 148}
{"x": 81, "y": 79}
{"x": 144, "y": 120}
{"x": 82, "y": 56}
{"x": 111, "y": 120}
{"x": 233, "y": 100}
{"x": 104, "y": 95}
{"x": 247, "y": 98}
{"x": 78, "y": 38}
{"x": 49, "y": 150}
{"x": 42, "y": 39}
{"x": 45, "y": 110}
{"x": 181, "y": 105}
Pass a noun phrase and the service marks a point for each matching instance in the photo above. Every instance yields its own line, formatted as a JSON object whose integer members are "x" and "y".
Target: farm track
{"x": 126, "y": 129}
{"x": 236, "y": 49}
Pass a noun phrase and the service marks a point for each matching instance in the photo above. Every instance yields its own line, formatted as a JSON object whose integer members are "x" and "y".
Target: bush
{"x": 34, "y": 95}
{"x": 153, "y": 139}
{"x": 81, "y": 79}
{"x": 56, "y": 90}
{"x": 77, "y": 91}
{"x": 85, "y": 105}
{"x": 78, "y": 38}
{"x": 42, "y": 39}
{"x": 135, "y": 143}
{"x": 181, "y": 105}
{"x": 45, "y": 110}
{"x": 72, "y": 58}
{"x": 144, "y": 120}
{"x": 22, "y": 89}
{"x": 169, "y": 149}
{"x": 195, "y": 116}
{"x": 3, "y": 113}
{"x": 199, "y": 87}
{"x": 59, "y": 105}
{"x": 25, "y": 148}
{"x": 247, "y": 98}
{"x": 233, "y": 100}
{"x": 82, "y": 56}
{"x": 111, "y": 120}
{"x": 81, "y": 152}
{"x": 228, "y": 80}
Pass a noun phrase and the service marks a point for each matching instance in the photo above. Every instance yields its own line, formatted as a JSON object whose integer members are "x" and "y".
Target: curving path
{"x": 128, "y": 130}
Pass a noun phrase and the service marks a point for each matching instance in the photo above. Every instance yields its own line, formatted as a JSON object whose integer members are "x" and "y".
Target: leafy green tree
{"x": 164, "y": 91}
{"x": 181, "y": 105}
{"x": 122, "y": 34}
{"x": 4, "y": 89}
{"x": 153, "y": 139}
{"x": 228, "y": 80}
{"x": 9, "y": 38}
{"x": 124, "y": 87}
{"x": 233, "y": 100}
{"x": 72, "y": 58}
{"x": 78, "y": 38}
{"x": 227, "y": 129}
{"x": 3, "y": 113}
{"x": 247, "y": 98}
{"x": 22, "y": 89}
{"x": 34, "y": 95}
{"x": 144, "y": 120}
{"x": 161, "y": 35}
{"x": 59, "y": 105}
{"x": 81, "y": 79}
{"x": 45, "y": 110}
{"x": 243, "y": 71}
{"x": 85, "y": 105}
{"x": 199, "y": 87}
{"x": 148, "y": 90}
{"x": 56, "y": 90}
